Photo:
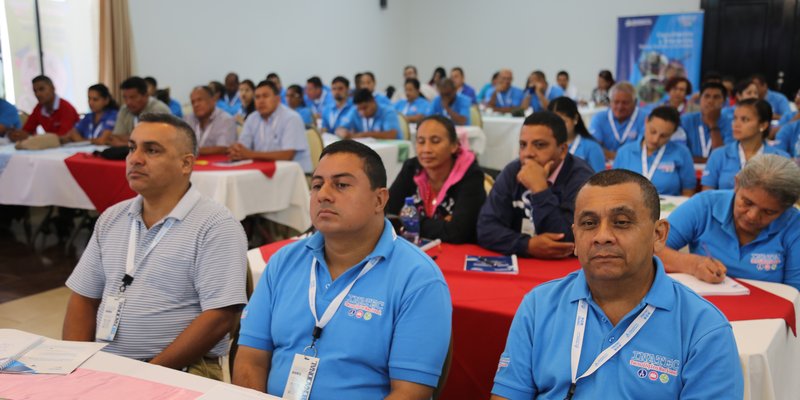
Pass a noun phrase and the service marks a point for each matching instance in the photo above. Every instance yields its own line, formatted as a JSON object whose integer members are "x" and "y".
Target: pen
{"x": 708, "y": 253}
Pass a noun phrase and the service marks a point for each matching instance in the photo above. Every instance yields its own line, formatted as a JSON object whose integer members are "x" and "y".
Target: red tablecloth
{"x": 484, "y": 305}
{"x": 104, "y": 181}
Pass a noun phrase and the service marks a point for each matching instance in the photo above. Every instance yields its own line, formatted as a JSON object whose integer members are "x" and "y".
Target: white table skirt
{"x": 42, "y": 179}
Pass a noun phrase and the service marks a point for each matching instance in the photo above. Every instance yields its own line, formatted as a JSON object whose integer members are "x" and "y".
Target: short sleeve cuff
{"x": 83, "y": 290}
{"x": 510, "y": 393}
{"x": 414, "y": 376}
{"x": 254, "y": 342}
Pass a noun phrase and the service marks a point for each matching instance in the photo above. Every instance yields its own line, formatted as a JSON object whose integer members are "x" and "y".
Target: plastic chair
{"x": 404, "y": 126}
{"x": 488, "y": 182}
{"x": 315, "y": 146}
{"x": 475, "y": 117}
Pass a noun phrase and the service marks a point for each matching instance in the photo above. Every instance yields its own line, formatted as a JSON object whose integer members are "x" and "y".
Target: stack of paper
{"x": 727, "y": 287}
{"x": 22, "y": 353}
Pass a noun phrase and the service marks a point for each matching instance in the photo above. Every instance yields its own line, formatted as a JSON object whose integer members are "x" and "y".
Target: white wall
{"x": 184, "y": 42}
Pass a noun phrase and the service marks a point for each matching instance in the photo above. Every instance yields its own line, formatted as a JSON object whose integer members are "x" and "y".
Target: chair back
{"x": 404, "y": 126}
{"x": 488, "y": 182}
{"x": 475, "y": 117}
{"x": 315, "y": 146}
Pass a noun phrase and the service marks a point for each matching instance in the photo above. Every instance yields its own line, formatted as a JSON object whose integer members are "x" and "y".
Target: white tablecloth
{"x": 42, "y": 179}
{"x": 387, "y": 150}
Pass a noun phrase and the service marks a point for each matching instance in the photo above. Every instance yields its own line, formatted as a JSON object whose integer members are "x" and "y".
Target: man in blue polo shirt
{"x": 9, "y": 117}
{"x": 619, "y": 328}
{"x": 369, "y": 309}
{"x": 457, "y": 75}
{"x": 451, "y": 104}
{"x": 539, "y": 95}
{"x": 229, "y": 101}
{"x": 778, "y": 101}
{"x": 787, "y": 138}
{"x": 708, "y": 128}
{"x": 750, "y": 232}
{"x": 367, "y": 81}
{"x": 317, "y": 96}
{"x": 370, "y": 119}
{"x": 622, "y": 122}
{"x": 504, "y": 97}
{"x": 337, "y": 113}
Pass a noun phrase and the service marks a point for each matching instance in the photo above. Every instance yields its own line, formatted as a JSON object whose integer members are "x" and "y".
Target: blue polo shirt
{"x": 176, "y": 109}
{"x": 230, "y": 105}
{"x": 552, "y": 92}
{"x": 785, "y": 119}
{"x": 674, "y": 173}
{"x": 591, "y": 152}
{"x": 419, "y": 106}
{"x": 385, "y": 119}
{"x": 601, "y": 129}
{"x": 89, "y": 130}
{"x": 305, "y": 114}
{"x": 691, "y": 124}
{"x": 685, "y": 350}
{"x": 779, "y": 102}
{"x": 786, "y": 138}
{"x": 318, "y": 105}
{"x": 381, "y": 99}
{"x": 469, "y": 92}
{"x": 512, "y": 97}
{"x": 486, "y": 89}
{"x": 334, "y": 117}
{"x": 723, "y": 165}
{"x": 394, "y": 324}
{"x": 461, "y": 105}
{"x": 705, "y": 221}
{"x": 9, "y": 116}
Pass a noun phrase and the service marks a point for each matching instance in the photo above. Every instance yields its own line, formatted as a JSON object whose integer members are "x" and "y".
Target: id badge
{"x": 109, "y": 318}
{"x": 301, "y": 377}
{"x": 527, "y": 227}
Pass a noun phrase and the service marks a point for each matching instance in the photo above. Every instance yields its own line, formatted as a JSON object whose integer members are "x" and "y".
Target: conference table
{"x": 70, "y": 177}
{"x": 108, "y": 376}
{"x": 484, "y": 305}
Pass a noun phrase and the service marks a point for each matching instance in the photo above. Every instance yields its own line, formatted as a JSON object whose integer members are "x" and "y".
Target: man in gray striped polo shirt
{"x": 163, "y": 276}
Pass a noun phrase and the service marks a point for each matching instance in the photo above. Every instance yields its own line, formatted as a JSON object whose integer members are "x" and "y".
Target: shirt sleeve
{"x": 514, "y": 377}
{"x": 596, "y": 158}
{"x": 123, "y": 119}
{"x": 685, "y": 222}
{"x": 421, "y": 335}
{"x": 227, "y": 135}
{"x": 783, "y": 138}
{"x": 256, "y": 322}
{"x": 594, "y": 127}
{"x": 33, "y": 120}
{"x": 88, "y": 279}
{"x": 9, "y": 116}
{"x": 713, "y": 167}
{"x": 496, "y": 218}
{"x": 294, "y": 134}
{"x": 248, "y": 136}
{"x": 221, "y": 266}
{"x": 83, "y": 126}
{"x": 712, "y": 369}
{"x": 391, "y": 122}
{"x": 792, "y": 250}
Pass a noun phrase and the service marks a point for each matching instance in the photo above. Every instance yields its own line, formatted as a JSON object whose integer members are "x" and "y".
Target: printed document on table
{"x": 728, "y": 287}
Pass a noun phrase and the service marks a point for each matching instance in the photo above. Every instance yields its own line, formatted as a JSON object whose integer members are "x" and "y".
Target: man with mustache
{"x": 529, "y": 210}
{"x": 162, "y": 279}
{"x": 619, "y": 328}
{"x": 352, "y": 312}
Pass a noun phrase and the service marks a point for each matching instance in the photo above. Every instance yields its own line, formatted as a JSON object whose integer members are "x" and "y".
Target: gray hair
{"x": 622, "y": 86}
{"x": 777, "y": 175}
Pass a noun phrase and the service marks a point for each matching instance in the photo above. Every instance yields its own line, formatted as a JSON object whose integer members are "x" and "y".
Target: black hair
{"x": 163, "y": 96}
{"x": 233, "y": 74}
{"x": 539, "y": 74}
{"x": 373, "y": 165}
{"x": 342, "y": 80}
{"x": 103, "y": 91}
{"x": 217, "y": 87}
{"x": 369, "y": 74}
{"x": 459, "y": 69}
{"x": 314, "y": 80}
{"x": 741, "y": 86}
{"x": 151, "y": 80}
{"x": 568, "y": 107}
{"x": 134, "y": 82}
{"x": 763, "y": 109}
{"x": 495, "y": 75}
{"x": 444, "y": 121}
{"x": 271, "y": 85}
{"x": 714, "y": 85}
{"x": 273, "y": 75}
{"x": 758, "y": 77}
{"x": 441, "y": 72}
{"x": 252, "y": 106}
{"x": 712, "y": 76}
{"x": 42, "y": 78}
{"x": 205, "y": 89}
{"x": 666, "y": 113}
{"x": 248, "y": 82}
{"x": 299, "y": 90}
{"x": 613, "y": 177}
{"x": 562, "y": 72}
{"x": 414, "y": 82}
{"x": 550, "y": 120}
{"x": 175, "y": 122}
{"x": 675, "y": 80}
{"x": 607, "y": 76}
{"x": 362, "y": 96}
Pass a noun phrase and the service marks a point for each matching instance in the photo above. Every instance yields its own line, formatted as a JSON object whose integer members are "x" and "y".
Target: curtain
{"x": 116, "y": 40}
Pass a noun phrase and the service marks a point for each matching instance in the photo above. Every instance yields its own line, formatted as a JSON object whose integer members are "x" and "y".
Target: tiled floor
{"x": 42, "y": 314}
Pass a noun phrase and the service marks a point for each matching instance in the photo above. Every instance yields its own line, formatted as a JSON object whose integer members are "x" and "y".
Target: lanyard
{"x": 575, "y": 143}
{"x": 231, "y": 100}
{"x": 337, "y": 301}
{"x": 130, "y": 267}
{"x": 368, "y": 123}
{"x": 742, "y": 159}
{"x": 705, "y": 144}
{"x": 96, "y": 130}
{"x": 334, "y": 115}
{"x": 627, "y": 127}
{"x": 577, "y": 342}
{"x": 648, "y": 172}
{"x": 505, "y": 100}
{"x": 202, "y": 133}
{"x": 408, "y": 106}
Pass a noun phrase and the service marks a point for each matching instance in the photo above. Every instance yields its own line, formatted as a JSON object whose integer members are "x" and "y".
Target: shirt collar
{"x": 56, "y": 104}
{"x": 723, "y": 212}
{"x": 552, "y": 178}
{"x": 383, "y": 249}
{"x": 181, "y": 210}
{"x": 660, "y": 295}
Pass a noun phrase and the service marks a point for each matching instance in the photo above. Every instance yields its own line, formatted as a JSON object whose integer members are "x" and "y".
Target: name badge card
{"x": 301, "y": 377}
{"x": 109, "y": 318}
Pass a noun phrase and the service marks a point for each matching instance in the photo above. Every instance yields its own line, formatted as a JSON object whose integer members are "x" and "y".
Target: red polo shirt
{"x": 59, "y": 121}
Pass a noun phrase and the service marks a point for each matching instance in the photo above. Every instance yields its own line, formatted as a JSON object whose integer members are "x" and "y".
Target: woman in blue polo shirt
{"x": 97, "y": 125}
{"x": 294, "y": 99}
{"x": 752, "y": 232}
{"x": 667, "y": 164}
{"x": 414, "y": 107}
{"x": 581, "y": 143}
{"x": 751, "y": 124}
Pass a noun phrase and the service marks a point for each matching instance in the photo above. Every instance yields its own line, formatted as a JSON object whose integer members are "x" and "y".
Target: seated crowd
{"x": 171, "y": 254}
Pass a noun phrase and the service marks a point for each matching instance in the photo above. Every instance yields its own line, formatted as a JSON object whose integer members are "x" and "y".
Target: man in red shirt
{"x": 53, "y": 114}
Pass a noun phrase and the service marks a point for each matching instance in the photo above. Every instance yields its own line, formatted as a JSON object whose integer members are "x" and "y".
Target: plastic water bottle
{"x": 410, "y": 218}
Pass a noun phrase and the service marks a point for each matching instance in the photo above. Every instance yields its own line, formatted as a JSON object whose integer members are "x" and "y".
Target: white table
{"x": 43, "y": 179}
{"x": 387, "y": 150}
{"x": 108, "y": 362}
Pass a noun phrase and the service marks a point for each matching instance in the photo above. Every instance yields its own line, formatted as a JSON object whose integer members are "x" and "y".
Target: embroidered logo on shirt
{"x": 655, "y": 363}
{"x": 504, "y": 361}
{"x": 765, "y": 262}
{"x": 666, "y": 167}
{"x": 363, "y": 307}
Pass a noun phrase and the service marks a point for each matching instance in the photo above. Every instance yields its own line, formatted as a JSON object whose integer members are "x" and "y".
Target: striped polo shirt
{"x": 199, "y": 265}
